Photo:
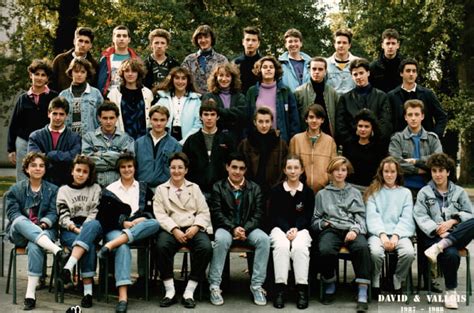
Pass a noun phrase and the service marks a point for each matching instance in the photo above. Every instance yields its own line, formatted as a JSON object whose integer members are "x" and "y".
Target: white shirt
{"x": 292, "y": 191}
{"x": 130, "y": 196}
{"x": 177, "y": 107}
{"x": 413, "y": 89}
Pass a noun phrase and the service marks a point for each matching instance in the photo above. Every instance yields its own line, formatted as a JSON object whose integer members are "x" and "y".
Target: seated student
{"x": 292, "y": 206}
{"x": 82, "y": 97}
{"x": 264, "y": 151}
{"x": 179, "y": 96}
{"x": 208, "y": 150}
{"x": 366, "y": 151}
{"x": 315, "y": 148}
{"x": 79, "y": 230}
{"x": 445, "y": 216}
{"x": 132, "y": 99}
{"x": 126, "y": 216}
{"x": 30, "y": 113}
{"x": 224, "y": 88}
{"x": 182, "y": 211}
{"x": 389, "y": 222}
{"x": 154, "y": 149}
{"x": 339, "y": 219}
{"x": 58, "y": 142}
{"x": 272, "y": 93}
{"x": 31, "y": 213}
{"x": 237, "y": 215}
{"x": 105, "y": 145}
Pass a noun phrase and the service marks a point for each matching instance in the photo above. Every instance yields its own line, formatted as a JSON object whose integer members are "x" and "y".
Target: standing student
{"x": 201, "y": 63}
{"x": 158, "y": 64}
{"x": 318, "y": 91}
{"x": 444, "y": 213}
{"x": 112, "y": 58}
{"x": 179, "y": 96}
{"x": 58, "y": 142}
{"x": 154, "y": 149}
{"x": 224, "y": 88}
{"x": 82, "y": 97}
{"x": 339, "y": 219}
{"x": 247, "y": 60}
{"x": 32, "y": 215}
{"x": 132, "y": 98}
{"x": 105, "y": 144}
{"x": 79, "y": 230}
{"x": 339, "y": 75}
{"x": 292, "y": 205}
{"x": 390, "y": 222}
{"x": 83, "y": 41}
{"x": 365, "y": 151}
{"x": 294, "y": 62}
{"x": 272, "y": 93}
{"x": 30, "y": 113}
{"x": 384, "y": 73}
{"x": 315, "y": 148}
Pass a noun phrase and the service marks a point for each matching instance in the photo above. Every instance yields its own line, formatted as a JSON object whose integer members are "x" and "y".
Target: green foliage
{"x": 462, "y": 107}
{"x": 31, "y": 26}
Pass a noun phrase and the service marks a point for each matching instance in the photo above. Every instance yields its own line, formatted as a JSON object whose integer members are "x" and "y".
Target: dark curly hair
{"x": 257, "y": 68}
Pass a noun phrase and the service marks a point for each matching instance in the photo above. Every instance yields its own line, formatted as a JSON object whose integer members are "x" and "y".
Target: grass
{"x": 5, "y": 183}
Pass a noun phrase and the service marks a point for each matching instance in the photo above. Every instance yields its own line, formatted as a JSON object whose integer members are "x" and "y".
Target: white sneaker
{"x": 450, "y": 299}
{"x": 432, "y": 253}
{"x": 216, "y": 296}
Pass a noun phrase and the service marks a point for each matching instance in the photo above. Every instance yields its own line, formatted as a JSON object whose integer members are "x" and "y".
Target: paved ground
{"x": 237, "y": 295}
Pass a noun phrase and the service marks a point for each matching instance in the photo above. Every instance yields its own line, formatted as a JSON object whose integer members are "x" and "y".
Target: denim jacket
{"x": 105, "y": 153}
{"x": 427, "y": 211}
{"x": 90, "y": 101}
{"x": 341, "y": 80}
{"x": 20, "y": 199}
{"x": 289, "y": 77}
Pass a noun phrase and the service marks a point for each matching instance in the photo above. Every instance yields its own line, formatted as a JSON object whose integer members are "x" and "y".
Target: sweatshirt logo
{"x": 299, "y": 207}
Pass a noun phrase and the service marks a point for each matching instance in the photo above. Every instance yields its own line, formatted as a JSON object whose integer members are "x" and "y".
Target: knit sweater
{"x": 77, "y": 204}
{"x": 390, "y": 211}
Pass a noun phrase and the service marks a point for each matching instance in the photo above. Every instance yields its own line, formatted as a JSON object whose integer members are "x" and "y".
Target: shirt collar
{"x": 409, "y": 90}
{"x": 236, "y": 187}
{"x": 288, "y": 188}
{"x": 31, "y": 92}
{"x": 134, "y": 185}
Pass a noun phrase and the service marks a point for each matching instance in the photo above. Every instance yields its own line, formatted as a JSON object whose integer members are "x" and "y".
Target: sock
{"x": 31, "y": 287}
{"x": 397, "y": 283}
{"x": 189, "y": 291}
{"x": 46, "y": 243}
{"x": 87, "y": 289}
{"x": 70, "y": 263}
{"x": 445, "y": 243}
{"x": 169, "y": 288}
{"x": 362, "y": 296}
{"x": 330, "y": 288}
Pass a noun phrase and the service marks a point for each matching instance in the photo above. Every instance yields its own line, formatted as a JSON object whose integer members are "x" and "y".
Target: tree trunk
{"x": 466, "y": 77}
{"x": 68, "y": 16}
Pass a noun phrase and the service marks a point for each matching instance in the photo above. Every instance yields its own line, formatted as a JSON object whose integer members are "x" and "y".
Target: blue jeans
{"x": 90, "y": 232}
{"x": 21, "y": 146}
{"x": 123, "y": 256}
{"x": 221, "y": 245}
{"x": 24, "y": 233}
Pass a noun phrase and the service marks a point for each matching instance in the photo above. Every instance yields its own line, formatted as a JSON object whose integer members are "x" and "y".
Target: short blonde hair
{"x": 338, "y": 162}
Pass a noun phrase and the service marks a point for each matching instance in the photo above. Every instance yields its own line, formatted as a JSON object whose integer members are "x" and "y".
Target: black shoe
{"x": 302, "y": 296}
{"x": 41, "y": 283}
{"x": 66, "y": 276}
{"x": 86, "y": 301}
{"x": 279, "y": 299}
{"x": 103, "y": 252}
{"x": 328, "y": 298}
{"x": 29, "y": 304}
{"x": 166, "y": 302}
{"x": 121, "y": 307}
{"x": 188, "y": 303}
{"x": 62, "y": 258}
{"x": 362, "y": 307}
{"x": 375, "y": 293}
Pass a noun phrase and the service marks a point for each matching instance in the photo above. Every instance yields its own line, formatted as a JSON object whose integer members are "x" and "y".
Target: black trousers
{"x": 330, "y": 242}
{"x": 201, "y": 253}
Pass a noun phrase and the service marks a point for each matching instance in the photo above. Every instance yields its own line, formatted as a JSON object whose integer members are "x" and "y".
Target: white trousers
{"x": 285, "y": 250}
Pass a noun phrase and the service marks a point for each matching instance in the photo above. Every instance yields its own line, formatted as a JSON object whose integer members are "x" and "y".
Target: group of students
{"x": 180, "y": 151}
